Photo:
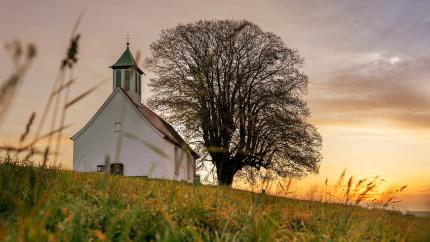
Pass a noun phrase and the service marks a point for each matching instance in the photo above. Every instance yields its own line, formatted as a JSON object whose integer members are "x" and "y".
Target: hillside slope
{"x": 51, "y": 205}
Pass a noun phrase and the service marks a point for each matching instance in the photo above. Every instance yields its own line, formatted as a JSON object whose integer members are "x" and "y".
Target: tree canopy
{"x": 239, "y": 91}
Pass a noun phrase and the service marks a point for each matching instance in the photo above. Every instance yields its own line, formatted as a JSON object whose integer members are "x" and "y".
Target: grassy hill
{"x": 52, "y": 205}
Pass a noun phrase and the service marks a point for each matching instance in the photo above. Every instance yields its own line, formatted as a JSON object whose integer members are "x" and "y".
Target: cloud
{"x": 426, "y": 190}
{"x": 392, "y": 88}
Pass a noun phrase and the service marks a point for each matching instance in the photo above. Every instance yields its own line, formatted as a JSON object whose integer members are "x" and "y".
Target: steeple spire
{"x": 126, "y": 60}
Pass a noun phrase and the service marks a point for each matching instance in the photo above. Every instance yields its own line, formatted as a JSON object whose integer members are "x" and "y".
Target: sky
{"x": 368, "y": 64}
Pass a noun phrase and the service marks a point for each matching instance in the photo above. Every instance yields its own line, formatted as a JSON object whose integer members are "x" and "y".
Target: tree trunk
{"x": 225, "y": 172}
{"x": 225, "y": 178}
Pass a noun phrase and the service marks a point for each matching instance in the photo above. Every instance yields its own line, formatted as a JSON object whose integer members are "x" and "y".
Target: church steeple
{"x": 127, "y": 75}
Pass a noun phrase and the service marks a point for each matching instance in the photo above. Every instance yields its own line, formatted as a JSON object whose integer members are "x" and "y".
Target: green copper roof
{"x": 126, "y": 60}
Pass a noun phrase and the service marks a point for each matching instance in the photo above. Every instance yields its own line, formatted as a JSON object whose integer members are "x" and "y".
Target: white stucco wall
{"x": 169, "y": 148}
{"x": 141, "y": 157}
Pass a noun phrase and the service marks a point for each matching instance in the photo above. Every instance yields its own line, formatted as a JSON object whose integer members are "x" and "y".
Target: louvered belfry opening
{"x": 127, "y": 75}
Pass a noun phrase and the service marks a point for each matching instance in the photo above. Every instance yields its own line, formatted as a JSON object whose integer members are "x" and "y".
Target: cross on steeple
{"x": 128, "y": 39}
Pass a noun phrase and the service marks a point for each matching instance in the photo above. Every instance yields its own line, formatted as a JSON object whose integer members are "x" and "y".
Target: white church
{"x": 138, "y": 141}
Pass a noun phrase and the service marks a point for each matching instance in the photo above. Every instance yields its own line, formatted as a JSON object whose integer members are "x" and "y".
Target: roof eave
{"x": 195, "y": 155}
{"x": 115, "y": 67}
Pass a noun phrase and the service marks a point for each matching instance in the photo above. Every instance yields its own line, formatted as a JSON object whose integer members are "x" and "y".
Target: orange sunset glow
{"x": 368, "y": 64}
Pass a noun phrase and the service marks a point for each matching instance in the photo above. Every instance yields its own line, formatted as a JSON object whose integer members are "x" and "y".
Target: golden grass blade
{"x": 63, "y": 116}
{"x": 27, "y": 127}
{"x": 18, "y": 149}
{"x": 78, "y": 22}
{"x": 61, "y": 88}
{"x": 145, "y": 143}
{"x": 21, "y": 64}
{"x": 84, "y": 94}
{"x": 364, "y": 194}
{"x": 56, "y": 107}
{"x": 49, "y": 134}
{"x": 340, "y": 181}
{"x": 348, "y": 188}
{"x": 47, "y": 105}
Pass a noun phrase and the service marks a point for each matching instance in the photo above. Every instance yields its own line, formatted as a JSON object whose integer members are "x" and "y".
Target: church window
{"x": 189, "y": 166}
{"x": 101, "y": 168}
{"x": 118, "y": 127}
{"x": 118, "y": 78}
{"x": 127, "y": 80}
{"x": 176, "y": 161}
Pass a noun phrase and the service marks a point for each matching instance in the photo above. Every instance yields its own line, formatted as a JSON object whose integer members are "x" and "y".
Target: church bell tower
{"x": 127, "y": 75}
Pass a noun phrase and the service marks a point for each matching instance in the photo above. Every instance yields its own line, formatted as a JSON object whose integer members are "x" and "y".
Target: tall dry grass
{"x": 53, "y": 205}
{"x": 41, "y": 144}
{"x": 349, "y": 191}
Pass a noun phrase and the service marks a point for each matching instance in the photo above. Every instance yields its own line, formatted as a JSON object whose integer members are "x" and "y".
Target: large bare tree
{"x": 238, "y": 90}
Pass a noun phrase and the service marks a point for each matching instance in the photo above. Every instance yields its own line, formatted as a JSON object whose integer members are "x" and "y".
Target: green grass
{"x": 52, "y": 205}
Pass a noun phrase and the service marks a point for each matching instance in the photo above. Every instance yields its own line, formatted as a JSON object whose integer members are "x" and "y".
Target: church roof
{"x": 126, "y": 60}
{"x": 156, "y": 121}
{"x": 165, "y": 128}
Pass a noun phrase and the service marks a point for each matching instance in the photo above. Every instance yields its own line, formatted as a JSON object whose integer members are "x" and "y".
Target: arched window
{"x": 127, "y": 80}
{"x": 118, "y": 78}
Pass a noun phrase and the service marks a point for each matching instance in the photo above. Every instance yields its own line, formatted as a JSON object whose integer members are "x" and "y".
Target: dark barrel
{"x": 117, "y": 169}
